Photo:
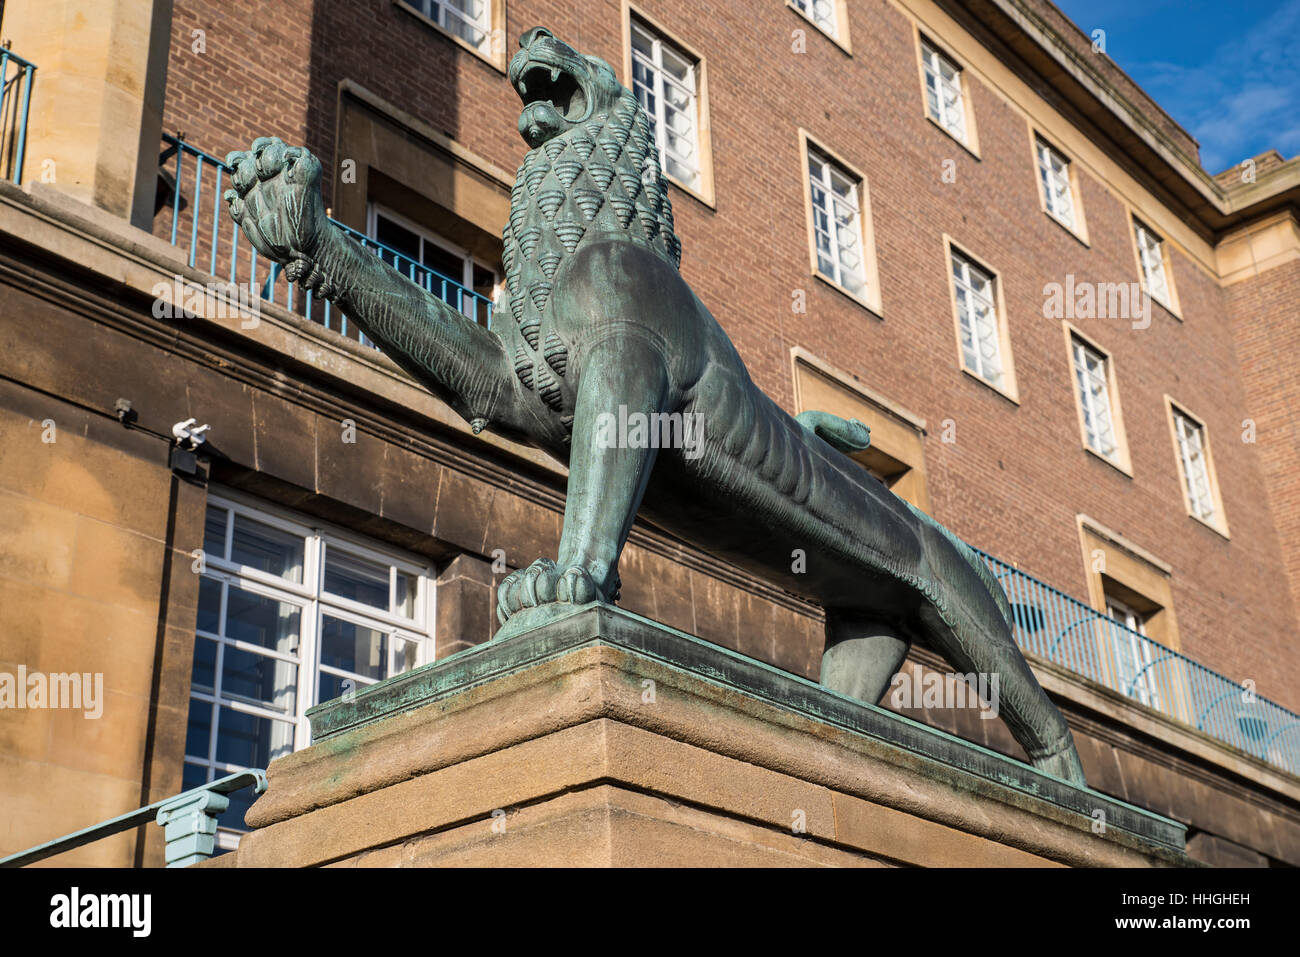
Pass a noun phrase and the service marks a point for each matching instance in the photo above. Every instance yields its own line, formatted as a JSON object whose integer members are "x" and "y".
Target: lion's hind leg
{"x": 862, "y": 655}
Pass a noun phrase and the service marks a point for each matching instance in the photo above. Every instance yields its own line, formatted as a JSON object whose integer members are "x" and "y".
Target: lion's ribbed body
{"x": 600, "y": 179}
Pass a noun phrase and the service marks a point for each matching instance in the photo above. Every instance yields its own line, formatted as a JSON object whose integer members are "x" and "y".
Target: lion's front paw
{"x": 277, "y": 203}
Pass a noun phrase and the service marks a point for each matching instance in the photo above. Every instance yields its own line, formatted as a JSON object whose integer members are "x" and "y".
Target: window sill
{"x": 1174, "y": 313}
{"x": 1010, "y": 395}
{"x": 1076, "y": 234}
{"x": 842, "y": 44}
{"x": 493, "y": 59}
{"x": 1212, "y": 526}
{"x": 1123, "y": 467}
{"x": 871, "y": 307}
{"x": 699, "y": 196}
{"x": 972, "y": 150}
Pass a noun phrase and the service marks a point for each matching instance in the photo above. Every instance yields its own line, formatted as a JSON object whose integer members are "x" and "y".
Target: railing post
{"x": 22, "y": 127}
{"x": 190, "y": 827}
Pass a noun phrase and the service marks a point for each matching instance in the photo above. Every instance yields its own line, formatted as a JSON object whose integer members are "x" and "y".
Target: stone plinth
{"x": 606, "y": 739}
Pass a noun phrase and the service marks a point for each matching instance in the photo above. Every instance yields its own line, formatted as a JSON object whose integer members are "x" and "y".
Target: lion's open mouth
{"x": 548, "y": 83}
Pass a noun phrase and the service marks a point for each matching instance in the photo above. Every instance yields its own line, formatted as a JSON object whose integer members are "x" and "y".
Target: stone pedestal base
{"x": 605, "y": 739}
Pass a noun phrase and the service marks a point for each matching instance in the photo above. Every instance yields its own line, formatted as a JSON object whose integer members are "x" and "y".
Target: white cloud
{"x": 1242, "y": 99}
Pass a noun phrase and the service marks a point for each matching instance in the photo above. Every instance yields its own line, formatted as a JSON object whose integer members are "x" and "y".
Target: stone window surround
{"x": 1008, "y": 389}
{"x": 497, "y": 54}
{"x": 1170, "y": 303}
{"x": 872, "y": 299}
{"x": 897, "y": 434}
{"x": 1122, "y": 460}
{"x": 425, "y": 164}
{"x": 1079, "y": 230}
{"x": 841, "y": 35}
{"x": 705, "y": 191}
{"x": 1118, "y": 568}
{"x": 1220, "y": 522}
{"x": 969, "y": 141}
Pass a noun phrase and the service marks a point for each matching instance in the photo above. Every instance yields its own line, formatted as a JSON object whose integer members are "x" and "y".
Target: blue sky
{"x": 1227, "y": 72}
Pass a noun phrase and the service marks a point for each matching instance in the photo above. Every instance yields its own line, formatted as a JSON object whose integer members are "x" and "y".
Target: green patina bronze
{"x": 602, "y": 355}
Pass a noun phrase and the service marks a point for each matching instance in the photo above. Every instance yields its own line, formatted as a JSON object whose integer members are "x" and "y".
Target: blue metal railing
{"x": 1064, "y": 630}
{"x": 16, "y": 76}
{"x": 189, "y": 822}
{"x": 199, "y": 223}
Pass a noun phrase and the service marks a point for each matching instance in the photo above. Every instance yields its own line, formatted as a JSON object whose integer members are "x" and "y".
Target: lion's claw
{"x": 576, "y": 586}
{"x": 542, "y": 583}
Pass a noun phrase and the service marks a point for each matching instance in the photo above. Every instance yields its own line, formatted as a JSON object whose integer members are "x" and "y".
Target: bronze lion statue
{"x": 597, "y": 325}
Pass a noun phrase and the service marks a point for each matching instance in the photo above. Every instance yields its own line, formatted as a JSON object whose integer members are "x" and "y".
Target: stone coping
{"x": 980, "y": 769}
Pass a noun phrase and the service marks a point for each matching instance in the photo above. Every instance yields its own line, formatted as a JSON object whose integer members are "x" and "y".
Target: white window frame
{"x": 945, "y": 95}
{"x": 1092, "y": 385}
{"x": 1151, "y": 260}
{"x": 827, "y": 23}
{"x": 1090, "y": 365}
{"x": 660, "y": 49}
{"x": 1192, "y": 448}
{"x": 824, "y": 176}
{"x": 1058, "y": 190}
{"x": 1132, "y": 649}
{"x": 313, "y": 604}
{"x": 448, "y": 16}
{"x": 469, "y": 305}
{"x": 966, "y": 276}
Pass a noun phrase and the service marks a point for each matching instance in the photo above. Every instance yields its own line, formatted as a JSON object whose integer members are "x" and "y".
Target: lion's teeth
{"x": 555, "y": 73}
{"x": 523, "y": 87}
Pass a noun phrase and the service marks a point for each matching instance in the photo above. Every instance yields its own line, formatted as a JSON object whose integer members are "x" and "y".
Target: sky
{"x": 1227, "y": 72}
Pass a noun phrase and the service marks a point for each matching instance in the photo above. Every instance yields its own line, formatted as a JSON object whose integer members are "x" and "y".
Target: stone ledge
{"x": 606, "y": 698}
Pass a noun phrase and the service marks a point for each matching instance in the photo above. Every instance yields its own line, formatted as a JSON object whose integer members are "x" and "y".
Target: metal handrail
{"x": 1049, "y": 623}
{"x": 189, "y": 820}
{"x": 15, "y": 107}
{"x": 214, "y": 240}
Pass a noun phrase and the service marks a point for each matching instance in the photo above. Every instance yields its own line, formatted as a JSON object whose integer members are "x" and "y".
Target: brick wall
{"x": 1267, "y": 329}
{"x": 1017, "y": 475}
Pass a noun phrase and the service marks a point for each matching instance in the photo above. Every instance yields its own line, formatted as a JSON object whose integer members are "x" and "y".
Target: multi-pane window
{"x": 1151, "y": 254}
{"x": 289, "y": 616}
{"x": 1054, "y": 171}
{"x": 1132, "y": 653}
{"x": 837, "y": 224}
{"x": 977, "y": 318}
{"x": 1091, "y": 376}
{"x": 820, "y": 12}
{"x": 665, "y": 83}
{"x": 471, "y": 20}
{"x": 1192, "y": 458}
{"x": 943, "y": 94}
{"x": 449, "y": 272}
